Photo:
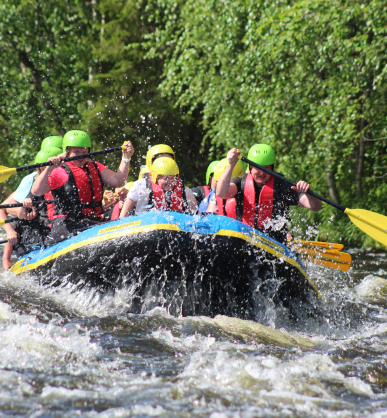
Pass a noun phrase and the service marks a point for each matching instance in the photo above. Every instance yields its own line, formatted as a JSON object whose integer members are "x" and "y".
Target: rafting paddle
{"x": 312, "y": 244}
{"x": 6, "y": 172}
{"x": 328, "y": 258}
{"x": 329, "y": 263}
{"x": 7, "y": 221}
{"x": 372, "y": 223}
{"x": 19, "y": 205}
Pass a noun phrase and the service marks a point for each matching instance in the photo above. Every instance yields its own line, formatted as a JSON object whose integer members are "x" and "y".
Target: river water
{"x": 71, "y": 354}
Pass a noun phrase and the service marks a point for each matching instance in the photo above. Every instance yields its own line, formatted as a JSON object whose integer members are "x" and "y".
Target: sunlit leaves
{"x": 307, "y": 77}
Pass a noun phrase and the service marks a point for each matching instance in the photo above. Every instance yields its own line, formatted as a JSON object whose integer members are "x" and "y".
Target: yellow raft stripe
{"x": 256, "y": 240}
{"x": 117, "y": 234}
{"x": 118, "y": 227}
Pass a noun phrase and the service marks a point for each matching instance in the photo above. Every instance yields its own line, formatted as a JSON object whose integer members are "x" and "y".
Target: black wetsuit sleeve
{"x": 199, "y": 194}
{"x": 238, "y": 183}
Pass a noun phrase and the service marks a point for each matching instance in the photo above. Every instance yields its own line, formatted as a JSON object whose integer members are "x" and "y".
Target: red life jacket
{"x": 115, "y": 212}
{"x": 176, "y": 197}
{"x": 226, "y": 207}
{"x": 265, "y": 208}
{"x": 206, "y": 190}
{"x": 50, "y": 206}
{"x": 265, "y": 203}
{"x": 82, "y": 194}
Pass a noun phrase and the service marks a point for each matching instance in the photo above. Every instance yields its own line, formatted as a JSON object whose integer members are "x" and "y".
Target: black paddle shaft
{"x": 78, "y": 157}
{"x": 9, "y": 220}
{"x": 19, "y": 205}
{"x": 272, "y": 173}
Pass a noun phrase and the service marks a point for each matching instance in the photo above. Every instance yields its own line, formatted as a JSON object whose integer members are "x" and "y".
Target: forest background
{"x": 307, "y": 77}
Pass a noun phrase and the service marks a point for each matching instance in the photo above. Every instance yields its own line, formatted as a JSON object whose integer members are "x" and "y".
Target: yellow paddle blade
{"x": 328, "y": 245}
{"x": 373, "y": 224}
{"x": 6, "y": 172}
{"x": 327, "y": 258}
{"x": 325, "y": 263}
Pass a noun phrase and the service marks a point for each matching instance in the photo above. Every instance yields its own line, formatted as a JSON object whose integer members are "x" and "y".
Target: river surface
{"x": 71, "y": 354}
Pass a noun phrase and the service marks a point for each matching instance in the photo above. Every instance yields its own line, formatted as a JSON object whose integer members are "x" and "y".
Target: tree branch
{"x": 374, "y": 140}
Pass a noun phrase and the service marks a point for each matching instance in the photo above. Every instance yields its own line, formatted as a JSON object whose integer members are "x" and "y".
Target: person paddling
{"x": 263, "y": 201}
{"x": 32, "y": 229}
{"x": 77, "y": 186}
{"x": 164, "y": 191}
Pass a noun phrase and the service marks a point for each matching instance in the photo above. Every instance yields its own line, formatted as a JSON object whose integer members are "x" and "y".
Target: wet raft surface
{"x": 188, "y": 273}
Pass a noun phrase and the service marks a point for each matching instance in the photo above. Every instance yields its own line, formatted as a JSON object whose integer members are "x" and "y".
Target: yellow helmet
{"x": 143, "y": 170}
{"x": 223, "y": 164}
{"x": 164, "y": 166}
{"x": 158, "y": 149}
{"x": 129, "y": 185}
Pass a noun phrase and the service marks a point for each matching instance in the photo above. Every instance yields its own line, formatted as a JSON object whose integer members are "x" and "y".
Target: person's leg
{"x": 8, "y": 249}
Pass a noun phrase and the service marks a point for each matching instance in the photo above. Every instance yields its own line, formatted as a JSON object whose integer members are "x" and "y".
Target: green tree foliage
{"x": 80, "y": 65}
{"x": 44, "y": 51}
{"x": 124, "y": 101}
{"x": 307, "y": 77}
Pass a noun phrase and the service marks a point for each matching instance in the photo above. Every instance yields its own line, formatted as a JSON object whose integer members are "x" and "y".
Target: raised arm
{"x": 118, "y": 179}
{"x": 224, "y": 188}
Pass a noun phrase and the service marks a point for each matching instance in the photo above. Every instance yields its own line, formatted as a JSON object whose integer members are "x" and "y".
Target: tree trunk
{"x": 332, "y": 189}
{"x": 359, "y": 161}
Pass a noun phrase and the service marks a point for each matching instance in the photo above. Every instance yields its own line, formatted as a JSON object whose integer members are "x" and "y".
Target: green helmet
{"x": 76, "y": 139}
{"x": 44, "y": 154}
{"x": 210, "y": 170}
{"x": 52, "y": 141}
{"x": 262, "y": 154}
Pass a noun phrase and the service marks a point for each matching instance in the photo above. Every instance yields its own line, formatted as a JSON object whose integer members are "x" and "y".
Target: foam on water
{"x": 75, "y": 353}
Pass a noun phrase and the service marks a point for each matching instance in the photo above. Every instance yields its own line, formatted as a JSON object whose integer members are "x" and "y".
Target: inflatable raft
{"x": 191, "y": 265}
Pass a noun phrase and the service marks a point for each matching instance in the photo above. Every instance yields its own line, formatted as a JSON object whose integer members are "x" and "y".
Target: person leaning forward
{"x": 32, "y": 228}
{"x": 77, "y": 186}
{"x": 261, "y": 200}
